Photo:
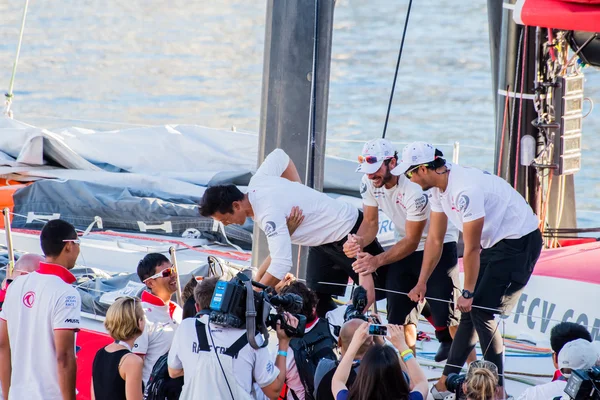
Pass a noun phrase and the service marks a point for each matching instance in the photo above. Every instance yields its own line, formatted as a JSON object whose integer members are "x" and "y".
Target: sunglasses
{"x": 165, "y": 273}
{"x": 410, "y": 172}
{"x": 76, "y": 241}
{"x": 371, "y": 159}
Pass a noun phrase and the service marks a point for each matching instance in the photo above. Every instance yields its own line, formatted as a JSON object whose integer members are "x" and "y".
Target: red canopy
{"x": 580, "y": 15}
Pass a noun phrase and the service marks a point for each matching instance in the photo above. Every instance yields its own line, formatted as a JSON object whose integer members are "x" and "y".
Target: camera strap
{"x": 251, "y": 319}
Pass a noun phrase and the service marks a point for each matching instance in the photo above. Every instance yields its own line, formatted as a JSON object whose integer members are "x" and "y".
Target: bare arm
{"x": 272, "y": 390}
{"x": 340, "y": 377}
{"x": 175, "y": 373}
{"x": 263, "y": 268}
{"x": 131, "y": 371}
{"x": 472, "y": 239}
{"x": 433, "y": 245}
{"x": 5, "y": 365}
{"x": 92, "y": 394}
{"x": 369, "y": 226}
{"x": 291, "y": 173}
{"x": 406, "y": 246}
{"x": 64, "y": 342}
{"x": 418, "y": 380}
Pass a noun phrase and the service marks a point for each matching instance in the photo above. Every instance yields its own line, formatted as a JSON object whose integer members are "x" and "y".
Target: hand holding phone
{"x": 377, "y": 330}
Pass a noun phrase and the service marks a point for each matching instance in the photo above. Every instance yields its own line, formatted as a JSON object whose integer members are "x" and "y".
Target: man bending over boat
{"x": 272, "y": 193}
{"x": 492, "y": 216}
{"x": 407, "y": 205}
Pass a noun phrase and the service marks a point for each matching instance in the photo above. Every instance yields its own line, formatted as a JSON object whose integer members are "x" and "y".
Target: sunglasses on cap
{"x": 165, "y": 273}
{"x": 371, "y": 159}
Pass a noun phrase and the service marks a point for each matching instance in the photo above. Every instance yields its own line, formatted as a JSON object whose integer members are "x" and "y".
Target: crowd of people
{"x": 166, "y": 350}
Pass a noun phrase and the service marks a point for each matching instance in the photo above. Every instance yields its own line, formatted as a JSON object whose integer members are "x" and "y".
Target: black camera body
{"x": 359, "y": 302}
{"x": 584, "y": 384}
{"x": 230, "y": 307}
{"x": 454, "y": 383}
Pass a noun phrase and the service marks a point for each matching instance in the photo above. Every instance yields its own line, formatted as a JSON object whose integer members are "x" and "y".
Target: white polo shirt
{"x": 406, "y": 201}
{"x": 272, "y": 197}
{"x": 472, "y": 194}
{"x": 36, "y": 305}
{"x": 162, "y": 321}
{"x": 250, "y": 365}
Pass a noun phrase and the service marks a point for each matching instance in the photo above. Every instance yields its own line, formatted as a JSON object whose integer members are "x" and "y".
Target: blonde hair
{"x": 481, "y": 380}
{"x": 123, "y": 318}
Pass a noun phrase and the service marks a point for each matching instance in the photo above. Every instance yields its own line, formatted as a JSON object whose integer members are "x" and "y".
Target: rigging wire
{"x": 387, "y": 116}
{"x": 9, "y": 94}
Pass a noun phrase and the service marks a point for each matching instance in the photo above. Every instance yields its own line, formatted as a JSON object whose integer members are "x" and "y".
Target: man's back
{"x": 272, "y": 197}
{"x": 36, "y": 305}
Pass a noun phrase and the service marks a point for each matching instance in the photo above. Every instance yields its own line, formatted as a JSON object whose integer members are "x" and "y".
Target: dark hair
{"x": 188, "y": 290}
{"x": 395, "y": 157}
{"x": 566, "y": 332}
{"x": 219, "y": 198}
{"x": 53, "y": 235}
{"x": 438, "y": 162}
{"x": 310, "y": 298}
{"x": 380, "y": 376}
{"x": 203, "y": 292}
{"x": 189, "y": 308}
{"x": 147, "y": 265}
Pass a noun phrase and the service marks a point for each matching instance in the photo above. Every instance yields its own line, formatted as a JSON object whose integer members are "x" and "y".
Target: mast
{"x": 519, "y": 78}
{"x": 295, "y": 94}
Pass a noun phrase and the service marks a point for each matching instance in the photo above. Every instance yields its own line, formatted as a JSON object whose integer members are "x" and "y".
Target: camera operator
{"x": 306, "y": 352}
{"x": 479, "y": 383}
{"x": 380, "y": 375}
{"x": 560, "y": 335}
{"x": 230, "y": 366}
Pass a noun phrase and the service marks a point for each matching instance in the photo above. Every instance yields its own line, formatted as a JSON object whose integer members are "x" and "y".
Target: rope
{"x": 387, "y": 116}
{"x": 504, "y": 118}
{"x": 523, "y": 62}
{"x": 9, "y": 95}
{"x": 312, "y": 125}
{"x": 514, "y": 103}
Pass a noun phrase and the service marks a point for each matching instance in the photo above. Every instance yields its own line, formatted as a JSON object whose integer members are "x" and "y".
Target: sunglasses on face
{"x": 371, "y": 159}
{"x": 165, "y": 273}
{"x": 410, "y": 172}
{"x": 76, "y": 241}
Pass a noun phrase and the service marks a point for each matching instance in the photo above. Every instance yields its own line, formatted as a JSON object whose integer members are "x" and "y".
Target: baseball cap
{"x": 415, "y": 153}
{"x": 578, "y": 354}
{"x": 373, "y": 154}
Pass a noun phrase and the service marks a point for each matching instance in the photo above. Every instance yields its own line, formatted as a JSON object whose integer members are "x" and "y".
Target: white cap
{"x": 416, "y": 153}
{"x": 382, "y": 149}
{"x": 578, "y": 354}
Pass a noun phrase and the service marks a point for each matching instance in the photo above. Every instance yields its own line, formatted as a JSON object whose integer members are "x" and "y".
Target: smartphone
{"x": 377, "y": 330}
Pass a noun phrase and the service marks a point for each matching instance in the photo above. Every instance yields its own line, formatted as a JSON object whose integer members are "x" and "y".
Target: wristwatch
{"x": 467, "y": 294}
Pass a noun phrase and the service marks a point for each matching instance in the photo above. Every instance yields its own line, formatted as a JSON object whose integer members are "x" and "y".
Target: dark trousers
{"x": 504, "y": 270}
{"x": 328, "y": 263}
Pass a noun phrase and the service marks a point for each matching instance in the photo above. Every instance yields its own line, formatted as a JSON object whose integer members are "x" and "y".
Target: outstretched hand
{"x": 352, "y": 246}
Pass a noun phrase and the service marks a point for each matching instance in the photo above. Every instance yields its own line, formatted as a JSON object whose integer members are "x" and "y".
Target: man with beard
{"x": 407, "y": 206}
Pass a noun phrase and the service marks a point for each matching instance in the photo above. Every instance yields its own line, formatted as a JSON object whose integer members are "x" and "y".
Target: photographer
{"x": 380, "y": 375}
{"x": 560, "y": 335}
{"x": 316, "y": 344}
{"x": 218, "y": 362}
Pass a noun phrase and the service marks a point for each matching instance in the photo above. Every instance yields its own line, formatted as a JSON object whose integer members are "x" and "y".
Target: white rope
{"x": 9, "y": 95}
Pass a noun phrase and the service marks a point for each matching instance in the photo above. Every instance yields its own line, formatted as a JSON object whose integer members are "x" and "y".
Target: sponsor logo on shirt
{"x": 421, "y": 202}
{"x": 363, "y": 188}
{"x": 463, "y": 202}
{"x": 270, "y": 367}
{"x": 28, "y": 299}
{"x": 379, "y": 193}
{"x": 71, "y": 321}
{"x": 399, "y": 199}
{"x": 220, "y": 349}
{"x": 135, "y": 346}
{"x": 70, "y": 301}
{"x": 270, "y": 229}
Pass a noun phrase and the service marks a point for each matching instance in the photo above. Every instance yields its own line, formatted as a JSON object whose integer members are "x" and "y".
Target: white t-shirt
{"x": 162, "y": 321}
{"x": 547, "y": 391}
{"x": 406, "y": 201}
{"x": 250, "y": 365}
{"x": 472, "y": 194}
{"x": 36, "y": 305}
{"x": 272, "y": 197}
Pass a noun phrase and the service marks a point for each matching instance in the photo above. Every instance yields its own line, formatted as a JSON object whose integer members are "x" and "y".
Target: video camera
{"x": 236, "y": 304}
{"x": 454, "y": 383}
{"x": 584, "y": 384}
{"x": 359, "y": 302}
